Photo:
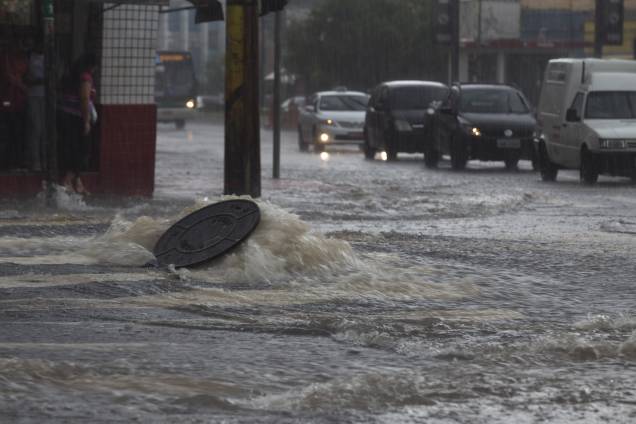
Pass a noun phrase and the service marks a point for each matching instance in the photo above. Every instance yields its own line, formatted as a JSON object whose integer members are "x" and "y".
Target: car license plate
{"x": 509, "y": 143}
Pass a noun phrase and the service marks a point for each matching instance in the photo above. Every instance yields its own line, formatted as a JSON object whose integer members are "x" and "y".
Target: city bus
{"x": 175, "y": 87}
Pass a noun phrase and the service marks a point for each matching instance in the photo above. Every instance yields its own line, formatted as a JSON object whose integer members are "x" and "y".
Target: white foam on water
{"x": 607, "y": 322}
{"x": 372, "y": 391}
{"x": 65, "y": 200}
{"x": 580, "y": 347}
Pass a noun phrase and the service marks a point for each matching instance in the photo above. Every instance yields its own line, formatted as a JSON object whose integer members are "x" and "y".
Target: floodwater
{"x": 370, "y": 292}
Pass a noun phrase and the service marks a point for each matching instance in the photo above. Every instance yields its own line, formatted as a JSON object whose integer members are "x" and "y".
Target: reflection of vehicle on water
{"x": 175, "y": 87}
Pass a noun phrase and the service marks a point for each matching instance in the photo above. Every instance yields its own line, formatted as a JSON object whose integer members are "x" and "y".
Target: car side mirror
{"x": 571, "y": 115}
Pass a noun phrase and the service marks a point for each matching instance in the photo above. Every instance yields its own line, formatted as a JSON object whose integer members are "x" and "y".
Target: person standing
{"x": 13, "y": 66}
{"x": 36, "y": 109}
{"x": 75, "y": 121}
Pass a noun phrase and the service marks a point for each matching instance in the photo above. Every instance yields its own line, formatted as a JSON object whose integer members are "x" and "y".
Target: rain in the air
{"x": 318, "y": 211}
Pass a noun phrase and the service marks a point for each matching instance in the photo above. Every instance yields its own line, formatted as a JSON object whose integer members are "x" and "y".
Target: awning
{"x": 141, "y": 2}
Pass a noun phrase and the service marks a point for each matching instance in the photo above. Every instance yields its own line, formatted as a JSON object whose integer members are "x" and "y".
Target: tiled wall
{"x": 127, "y": 155}
{"x": 128, "y": 54}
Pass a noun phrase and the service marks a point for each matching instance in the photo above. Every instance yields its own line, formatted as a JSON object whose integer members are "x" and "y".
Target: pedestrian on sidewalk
{"x": 36, "y": 108}
{"x": 75, "y": 119}
{"x": 13, "y": 66}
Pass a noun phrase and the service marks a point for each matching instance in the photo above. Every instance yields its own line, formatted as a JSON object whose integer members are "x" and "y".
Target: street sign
{"x": 207, "y": 233}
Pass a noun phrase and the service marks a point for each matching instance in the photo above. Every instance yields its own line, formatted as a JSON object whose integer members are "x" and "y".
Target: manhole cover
{"x": 207, "y": 233}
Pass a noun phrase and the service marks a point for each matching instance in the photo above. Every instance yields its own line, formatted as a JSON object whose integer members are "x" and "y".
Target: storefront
{"x": 122, "y": 35}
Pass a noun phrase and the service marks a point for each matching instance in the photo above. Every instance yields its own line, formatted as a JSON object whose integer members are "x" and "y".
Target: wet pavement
{"x": 371, "y": 292}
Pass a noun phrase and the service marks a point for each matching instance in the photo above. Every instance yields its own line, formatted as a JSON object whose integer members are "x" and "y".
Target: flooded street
{"x": 371, "y": 292}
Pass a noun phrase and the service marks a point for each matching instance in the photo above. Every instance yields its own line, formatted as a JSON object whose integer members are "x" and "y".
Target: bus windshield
{"x": 174, "y": 76}
{"x": 611, "y": 105}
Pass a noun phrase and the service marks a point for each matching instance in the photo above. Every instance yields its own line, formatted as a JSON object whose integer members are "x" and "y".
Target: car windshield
{"x": 416, "y": 97}
{"x": 343, "y": 102}
{"x": 611, "y": 105}
{"x": 492, "y": 101}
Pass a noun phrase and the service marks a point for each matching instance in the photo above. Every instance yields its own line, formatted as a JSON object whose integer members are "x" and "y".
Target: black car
{"x": 396, "y": 118}
{"x": 488, "y": 122}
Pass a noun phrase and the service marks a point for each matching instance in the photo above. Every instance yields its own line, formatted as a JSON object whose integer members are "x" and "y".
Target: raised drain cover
{"x": 207, "y": 233}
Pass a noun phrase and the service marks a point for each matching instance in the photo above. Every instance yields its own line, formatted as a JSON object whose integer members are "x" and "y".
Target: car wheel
{"x": 318, "y": 146}
{"x": 535, "y": 160}
{"x": 589, "y": 167}
{"x": 431, "y": 157}
{"x": 302, "y": 146}
{"x": 547, "y": 168}
{"x": 511, "y": 160}
{"x": 458, "y": 153}
{"x": 179, "y": 124}
{"x": 369, "y": 152}
{"x": 390, "y": 147}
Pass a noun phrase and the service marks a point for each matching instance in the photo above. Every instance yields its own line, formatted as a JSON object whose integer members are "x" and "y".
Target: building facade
{"x": 511, "y": 41}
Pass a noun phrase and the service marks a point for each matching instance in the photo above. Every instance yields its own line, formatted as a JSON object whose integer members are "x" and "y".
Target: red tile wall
{"x": 128, "y": 143}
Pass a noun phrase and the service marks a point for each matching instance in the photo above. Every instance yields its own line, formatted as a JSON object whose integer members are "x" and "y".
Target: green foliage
{"x": 360, "y": 43}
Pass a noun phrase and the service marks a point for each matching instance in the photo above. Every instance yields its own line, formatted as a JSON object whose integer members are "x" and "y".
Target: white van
{"x": 586, "y": 118}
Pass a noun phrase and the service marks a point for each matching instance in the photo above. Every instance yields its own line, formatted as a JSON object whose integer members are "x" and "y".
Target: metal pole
{"x": 48, "y": 22}
{"x": 242, "y": 129}
{"x": 276, "y": 101}
{"x": 599, "y": 29}
{"x": 455, "y": 43}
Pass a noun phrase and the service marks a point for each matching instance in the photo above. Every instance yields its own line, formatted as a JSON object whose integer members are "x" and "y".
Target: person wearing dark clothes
{"x": 74, "y": 121}
{"x": 13, "y": 95}
{"x": 35, "y": 109}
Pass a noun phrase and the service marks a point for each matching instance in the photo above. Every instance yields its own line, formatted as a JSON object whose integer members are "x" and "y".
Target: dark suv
{"x": 396, "y": 117}
{"x": 489, "y": 122}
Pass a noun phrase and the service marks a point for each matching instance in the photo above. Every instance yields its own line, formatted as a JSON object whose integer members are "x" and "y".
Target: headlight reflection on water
{"x": 324, "y": 156}
{"x": 384, "y": 156}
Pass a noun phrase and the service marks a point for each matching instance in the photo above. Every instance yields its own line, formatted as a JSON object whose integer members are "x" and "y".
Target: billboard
{"x": 490, "y": 20}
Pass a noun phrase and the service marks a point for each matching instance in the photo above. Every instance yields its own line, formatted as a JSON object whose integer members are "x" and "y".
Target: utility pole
{"x": 454, "y": 9}
{"x": 242, "y": 123}
{"x": 599, "y": 29}
{"x": 48, "y": 22}
{"x": 276, "y": 100}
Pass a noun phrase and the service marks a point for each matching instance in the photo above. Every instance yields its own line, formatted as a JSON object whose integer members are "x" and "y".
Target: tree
{"x": 360, "y": 43}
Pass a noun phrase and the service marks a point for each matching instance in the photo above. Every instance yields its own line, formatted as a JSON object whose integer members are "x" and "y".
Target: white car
{"x": 332, "y": 117}
{"x": 586, "y": 118}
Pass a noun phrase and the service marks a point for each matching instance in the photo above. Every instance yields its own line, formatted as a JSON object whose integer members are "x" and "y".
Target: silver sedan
{"x": 332, "y": 117}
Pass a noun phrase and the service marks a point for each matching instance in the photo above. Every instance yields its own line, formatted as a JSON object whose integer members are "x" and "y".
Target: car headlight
{"x": 190, "y": 104}
{"x": 402, "y": 125}
{"x": 471, "y": 130}
{"x": 609, "y": 143}
{"x": 329, "y": 122}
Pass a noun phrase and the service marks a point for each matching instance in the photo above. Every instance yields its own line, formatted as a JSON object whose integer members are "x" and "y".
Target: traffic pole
{"x": 599, "y": 29}
{"x": 454, "y": 60}
{"x": 48, "y": 23}
{"x": 276, "y": 97}
{"x": 242, "y": 121}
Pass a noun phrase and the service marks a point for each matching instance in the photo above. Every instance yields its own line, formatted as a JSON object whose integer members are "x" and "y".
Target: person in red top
{"x": 75, "y": 121}
{"x": 13, "y": 95}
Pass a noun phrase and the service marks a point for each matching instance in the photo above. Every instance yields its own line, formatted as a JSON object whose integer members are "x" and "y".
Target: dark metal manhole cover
{"x": 207, "y": 233}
